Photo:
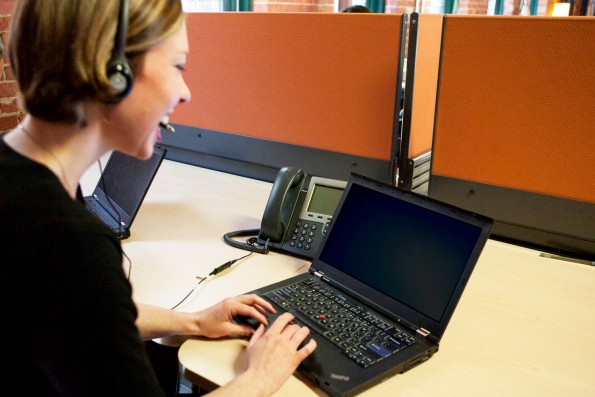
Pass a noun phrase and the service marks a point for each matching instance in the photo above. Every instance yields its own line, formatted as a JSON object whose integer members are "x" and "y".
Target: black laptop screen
{"x": 126, "y": 179}
{"x": 408, "y": 252}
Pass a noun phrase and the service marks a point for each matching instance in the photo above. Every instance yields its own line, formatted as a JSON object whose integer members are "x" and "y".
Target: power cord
{"x": 212, "y": 274}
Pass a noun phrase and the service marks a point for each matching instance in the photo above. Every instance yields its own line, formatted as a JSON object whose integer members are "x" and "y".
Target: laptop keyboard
{"x": 364, "y": 336}
{"x": 94, "y": 208}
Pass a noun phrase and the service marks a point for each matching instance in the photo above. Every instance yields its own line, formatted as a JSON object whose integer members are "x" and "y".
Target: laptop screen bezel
{"x": 385, "y": 304}
{"x": 110, "y": 205}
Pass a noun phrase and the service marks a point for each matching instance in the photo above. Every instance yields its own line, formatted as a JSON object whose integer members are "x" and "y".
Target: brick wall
{"x": 294, "y": 6}
{"x": 399, "y": 6}
{"x": 473, "y": 7}
{"x": 10, "y": 114}
{"x": 466, "y": 7}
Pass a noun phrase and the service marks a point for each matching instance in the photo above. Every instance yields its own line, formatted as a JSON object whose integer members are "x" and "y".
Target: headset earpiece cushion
{"x": 121, "y": 78}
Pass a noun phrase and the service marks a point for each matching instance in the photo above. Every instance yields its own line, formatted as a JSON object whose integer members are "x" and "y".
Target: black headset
{"x": 119, "y": 71}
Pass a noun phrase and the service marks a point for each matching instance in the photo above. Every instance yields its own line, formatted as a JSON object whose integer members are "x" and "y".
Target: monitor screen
{"x": 407, "y": 246}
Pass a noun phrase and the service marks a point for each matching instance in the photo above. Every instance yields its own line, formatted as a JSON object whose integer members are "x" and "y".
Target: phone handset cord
{"x": 250, "y": 245}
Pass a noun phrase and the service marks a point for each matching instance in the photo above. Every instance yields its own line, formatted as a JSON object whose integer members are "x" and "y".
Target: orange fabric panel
{"x": 516, "y": 104}
{"x": 429, "y": 36}
{"x": 322, "y": 80}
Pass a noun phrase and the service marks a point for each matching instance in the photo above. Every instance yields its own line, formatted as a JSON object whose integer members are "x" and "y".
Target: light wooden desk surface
{"x": 524, "y": 326}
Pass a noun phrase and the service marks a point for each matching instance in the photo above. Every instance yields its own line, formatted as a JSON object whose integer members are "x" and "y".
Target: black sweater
{"x": 67, "y": 319}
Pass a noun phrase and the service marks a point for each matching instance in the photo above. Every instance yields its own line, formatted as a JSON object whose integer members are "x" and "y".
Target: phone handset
{"x": 277, "y": 214}
{"x": 281, "y": 204}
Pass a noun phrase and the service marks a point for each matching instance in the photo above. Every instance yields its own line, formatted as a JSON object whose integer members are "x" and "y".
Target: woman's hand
{"x": 274, "y": 355}
{"x": 217, "y": 321}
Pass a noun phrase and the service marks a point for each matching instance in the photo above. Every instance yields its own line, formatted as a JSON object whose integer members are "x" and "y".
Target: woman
{"x": 67, "y": 318}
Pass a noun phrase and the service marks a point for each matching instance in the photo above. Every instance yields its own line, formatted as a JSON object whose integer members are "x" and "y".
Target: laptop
{"x": 121, "y": 189}
{"x": 383, "y": 285}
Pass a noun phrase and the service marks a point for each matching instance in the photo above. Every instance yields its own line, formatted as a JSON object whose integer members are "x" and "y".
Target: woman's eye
{"x": 180, "y": 67}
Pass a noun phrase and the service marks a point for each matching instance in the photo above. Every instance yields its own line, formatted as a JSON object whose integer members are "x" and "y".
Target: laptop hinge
{"x": 321, "y": 275}
{"x": 423, "y": 332}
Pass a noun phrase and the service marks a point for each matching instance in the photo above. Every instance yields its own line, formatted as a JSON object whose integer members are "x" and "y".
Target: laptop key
{"x": 370, "y": 353}
{"x": 278, "y": 299}
{"x": 309, "y": 323}
{"x": 362, "y": 335}
{"x": 393, "y": 345}
{"x": 284, "y": 294}
{"x": 378, "y": 349}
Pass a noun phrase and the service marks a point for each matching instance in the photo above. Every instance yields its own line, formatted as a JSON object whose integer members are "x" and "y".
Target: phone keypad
{"x": 303, "y": 235}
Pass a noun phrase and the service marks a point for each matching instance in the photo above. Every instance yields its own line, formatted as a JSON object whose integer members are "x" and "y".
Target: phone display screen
{"x": 324, "y": 199}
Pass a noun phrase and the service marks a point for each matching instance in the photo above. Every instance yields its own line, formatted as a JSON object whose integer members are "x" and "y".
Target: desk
{"x": 524, "y": 326}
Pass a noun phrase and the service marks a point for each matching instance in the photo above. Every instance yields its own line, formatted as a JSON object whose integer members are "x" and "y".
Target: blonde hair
{"x": 59, "y": 50}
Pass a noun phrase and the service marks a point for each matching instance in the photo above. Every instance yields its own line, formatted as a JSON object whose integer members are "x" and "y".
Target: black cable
{"x": 213, "y": 273}
{"x": 109, "y": 200}
{"x": 227, "y": 265}
{"x": 191, "y": 291}
{"x": 129, "y": 264}
{"x": 250, "y": 244}
{"x": 120, "y": 231}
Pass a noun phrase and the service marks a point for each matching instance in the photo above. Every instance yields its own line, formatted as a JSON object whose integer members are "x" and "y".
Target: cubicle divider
{"x": 415, "y": 149}
{"x": 514, "y": 127}
{"x": 317, "y": 91}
